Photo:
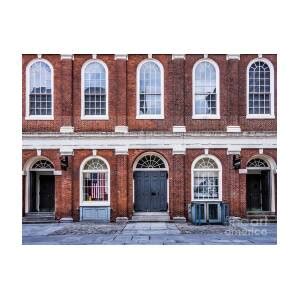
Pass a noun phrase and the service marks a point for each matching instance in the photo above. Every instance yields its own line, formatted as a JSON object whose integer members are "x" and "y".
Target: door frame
{"x": 26, "y": 171}
{"x": 134, "y": 169}
{"x": 273, "y": 170}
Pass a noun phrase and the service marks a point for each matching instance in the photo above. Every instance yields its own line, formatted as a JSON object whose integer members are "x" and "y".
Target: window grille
{"x": 150, "y": 162}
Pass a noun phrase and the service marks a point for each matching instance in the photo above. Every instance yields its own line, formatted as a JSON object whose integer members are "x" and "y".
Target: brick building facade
{"x": 108, "y": 136}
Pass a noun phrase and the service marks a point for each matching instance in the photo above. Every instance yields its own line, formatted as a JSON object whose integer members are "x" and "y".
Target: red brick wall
{"x": 122, "y": 94}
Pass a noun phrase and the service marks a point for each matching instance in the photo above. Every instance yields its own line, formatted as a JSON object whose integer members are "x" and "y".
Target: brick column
{"x": 178, "y": 92}
{"x": 178, "y": 185}
{"x": 243, "y": 200}
{"x": 232, "y": 80}
{"x": 64, "y": 192}
{"x": 121, "y": 96}
{"x": 122, "y": 175}
{"x": 66, "y": 93}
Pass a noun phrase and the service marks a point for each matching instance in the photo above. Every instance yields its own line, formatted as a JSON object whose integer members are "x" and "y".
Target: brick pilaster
{"x": 122, "y": 174}
{"x": 178, "y": 186}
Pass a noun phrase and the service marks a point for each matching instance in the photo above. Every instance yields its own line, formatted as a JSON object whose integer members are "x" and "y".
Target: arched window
{"x": 206, "y": 179}
{"x": 95, "y": 180}
{"x": 150, "y": 162}
{"x": 206, "y": 89}
{"x": 257, "y": 163}
{"x": 260, "y": 89}
{"x": 94, "y": 100}
{"x": 42, "y": 164}
{"x": 150, "y": 90}
{"x": 39, "y": 89}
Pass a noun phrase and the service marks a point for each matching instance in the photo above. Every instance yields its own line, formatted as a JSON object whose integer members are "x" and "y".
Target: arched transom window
{"x": 95, "y": 94}
{"x": 150, "y": 162}
{"x": 95, "y": 180}
{"x": 260, "y": 85}
{"x": 42, "y": 164}
{"x": 39, "y": 89}
{"x": 150, "y": 90}
{"x": 206, "y": 179}
{"x": 206, "y": 89}
{"x": 257, "y": 163}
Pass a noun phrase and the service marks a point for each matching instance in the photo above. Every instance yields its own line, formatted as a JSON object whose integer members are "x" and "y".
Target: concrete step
{"x": 39, "y": 217}
{"x": 270, "y": 217}
{"x": 150, "y": 217}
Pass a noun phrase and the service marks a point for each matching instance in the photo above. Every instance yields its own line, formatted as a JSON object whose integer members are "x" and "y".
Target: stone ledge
{"x": 66, "y": 220}
{"x": 179, "y": 219}
{"x": 121, "y": 220}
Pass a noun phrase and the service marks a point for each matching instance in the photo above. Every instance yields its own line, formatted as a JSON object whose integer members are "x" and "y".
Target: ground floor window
{"x": 206, "y": 179}
{"x": 95, "y": 179}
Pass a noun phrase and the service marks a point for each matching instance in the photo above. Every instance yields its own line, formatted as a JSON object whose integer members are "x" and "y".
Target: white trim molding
{"x": 94, "y": 203}
{"x": 66, "y": 151}
{"x": 94, "y": 117}
{"x": 179, "y": 128}
{"x": 121, "y": 56}
{"x": 272, "y": 91}
{"x": 234, "y": 149}
{"x": 233, "y": 128}
{"x": 57, "y": 172}
{"x": 219, "y": 170}
{"x": 27, "y": 114}
{"x": 134, "y": 140}
{"x": 217, "y": 70}
{"x": 162, "y": 102}
{"x": 179, "y": 149}
{"x": 66, "y": 129}
{"x": 233, "y": 56}
{"x": 178, "y": 56}
{"x": 66, "y": 56}
{"x": 121, "y": 129}
{"x": 94, "y": 56}
{"x": 121, "y": 151}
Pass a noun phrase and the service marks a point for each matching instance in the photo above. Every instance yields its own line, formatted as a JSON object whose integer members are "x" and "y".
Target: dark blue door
{"x": 150, "y": 191}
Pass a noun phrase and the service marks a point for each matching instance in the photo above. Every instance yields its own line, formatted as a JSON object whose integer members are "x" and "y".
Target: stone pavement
{"x": 148, "y": 234}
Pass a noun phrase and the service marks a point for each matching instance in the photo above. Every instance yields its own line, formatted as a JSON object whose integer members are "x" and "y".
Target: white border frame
{"x": 27, "y": 168}
{"x": 219, "y": 170}
{"x": 93, "y": 203}
{"x": 272, "y": 90}
{"x": 273, "y": 169}
{"x": 94, "y": 117}
{"x": 162, "y": 78}
{"x": 152, "y": 169}
{"x": 39, "y": 117}
{"x": 217, "y": 69}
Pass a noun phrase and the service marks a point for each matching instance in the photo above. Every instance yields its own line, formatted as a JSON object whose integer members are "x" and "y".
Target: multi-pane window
{"x": 150, "y": 89}
{"x": 40, "y": 89}
{"x": 95, "y": 90}
{"x": 95, "y": 180}
{"x": 259, "y": 89}
{"x": 206, "y": 183}
{"x": 205, "y": 89}
{"x": 150, "y": 162}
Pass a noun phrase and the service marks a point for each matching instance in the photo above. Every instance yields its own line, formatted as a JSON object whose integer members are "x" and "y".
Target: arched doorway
{"x": 150, "y": 183}
{"x": 40, "y": 186}
{"x": 260, "y": 186}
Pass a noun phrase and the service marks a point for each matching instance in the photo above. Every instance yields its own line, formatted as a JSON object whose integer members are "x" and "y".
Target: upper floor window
{"x": 39, "y": 90}
{"x": 150, "y": 90}
{"x": 260, "y": 89}
{"x": 206, "y": 90}
{"x": 94, "y": 101}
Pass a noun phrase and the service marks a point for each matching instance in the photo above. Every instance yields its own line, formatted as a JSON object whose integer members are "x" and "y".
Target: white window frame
{"x": 219, "y": 170}
{"x": 162, "y": 102}
{"x": 81, "y": 171}
{"x": 94, "y": 117}
{"x": 217, "y": 69}
{"x": 27, "y": 114}
{"x": 272, "y": 113}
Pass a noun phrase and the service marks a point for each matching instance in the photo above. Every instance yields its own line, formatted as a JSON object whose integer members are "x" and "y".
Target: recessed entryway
{"x": 150, "y": 184}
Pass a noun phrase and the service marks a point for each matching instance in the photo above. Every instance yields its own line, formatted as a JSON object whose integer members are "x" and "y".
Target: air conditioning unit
{"x": 206, "y": 212}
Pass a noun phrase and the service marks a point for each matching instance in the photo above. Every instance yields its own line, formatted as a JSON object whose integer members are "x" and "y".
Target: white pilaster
{"x": 178, "y": 56}
{"x": 233, "y": 56}
{"x": 121, "y": 56}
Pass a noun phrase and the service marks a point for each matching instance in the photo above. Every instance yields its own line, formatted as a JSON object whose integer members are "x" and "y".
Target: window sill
{"x": 147, "y": 117}
{"x": 260, "y": 116}
{"x": 205, "y": 117}
{"x": 104, "y": 118}
{"x": 95, "y": 203}
{"x": 39, "y": 118}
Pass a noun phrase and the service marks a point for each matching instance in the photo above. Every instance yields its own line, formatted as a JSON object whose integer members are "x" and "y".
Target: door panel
{"x": 265, "y": 189}
{"x": 150, "y": 191}
{"x": 46, "y": 192}
{"x": 254, "y": 192}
